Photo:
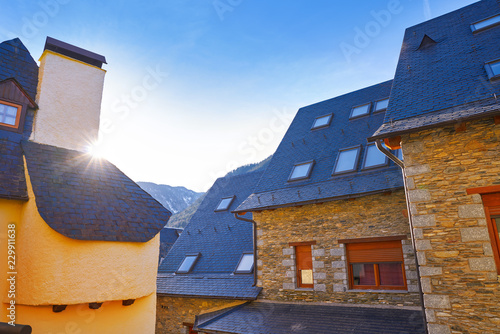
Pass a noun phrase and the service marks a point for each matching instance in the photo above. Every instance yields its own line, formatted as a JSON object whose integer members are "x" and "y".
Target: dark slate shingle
{"x": 301, "y": 144}
{"x": 90, "y": 199}
{"x": 275, "y": 318}
{"x": 432, "y": 83}
{"x": 16, "y": 62}
{"x": 221, "y": 240}
{"x": 168, "y": 236}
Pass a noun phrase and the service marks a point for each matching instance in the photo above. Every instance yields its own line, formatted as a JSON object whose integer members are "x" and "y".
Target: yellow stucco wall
{"x": 54, "y": 269}
{"x": 69, "y": 99}
{"x": 111, "y": 318}
{"x": 10, "y": 212}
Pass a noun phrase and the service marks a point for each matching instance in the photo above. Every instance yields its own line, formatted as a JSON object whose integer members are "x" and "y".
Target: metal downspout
{"x": 254, "y": 228}
{"x": 400, "y": 163}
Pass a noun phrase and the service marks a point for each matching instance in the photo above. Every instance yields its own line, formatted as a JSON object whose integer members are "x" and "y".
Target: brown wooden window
{"x": 189, "y": 328}
{"x": 376, "y": 265}
{"x": 303, "y": 260}
{"x": 492, "y": 210}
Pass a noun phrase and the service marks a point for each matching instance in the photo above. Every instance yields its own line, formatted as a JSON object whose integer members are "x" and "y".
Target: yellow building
{"x": 79, "y": 238}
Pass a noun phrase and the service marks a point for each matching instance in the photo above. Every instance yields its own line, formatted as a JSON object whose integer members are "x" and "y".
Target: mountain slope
{"x": 180, "y": 220}
{"x": 175, "y": 199}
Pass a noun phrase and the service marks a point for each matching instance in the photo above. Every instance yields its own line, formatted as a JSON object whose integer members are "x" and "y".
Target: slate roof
{"x": 301, "y": 144}
{"x": 221, "y": 240}
{"x": 168, "y": 236}
{"x": 275, "y": 318}
{"x": 90, "y": 199}
{"x": 17, "y": 63}
{"x": 447, "y": 81}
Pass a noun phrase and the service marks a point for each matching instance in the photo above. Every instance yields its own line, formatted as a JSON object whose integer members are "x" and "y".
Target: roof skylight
{"x": 188, "y": 263}
{"x": 493, "y": 69}
{"x": 245, "y": 266}
{"x": 322, "y": 121}
{"x": 381, "y": 105}
{"x": 486, "y": 23}
{"x": 301, "y": 171}
{"x": 224, "y": 203}
{"x": 373, "y": 157}
{"x": 360, "y": 110}
{"x": 347, "y": 160}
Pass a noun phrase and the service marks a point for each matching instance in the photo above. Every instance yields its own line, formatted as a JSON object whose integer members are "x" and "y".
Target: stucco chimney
{"x": 70, "y": 84}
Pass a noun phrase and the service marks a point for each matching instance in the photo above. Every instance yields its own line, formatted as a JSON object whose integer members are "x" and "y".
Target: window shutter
{"x": 375, "y": 252}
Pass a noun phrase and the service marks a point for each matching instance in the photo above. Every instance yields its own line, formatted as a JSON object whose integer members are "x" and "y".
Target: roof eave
{"x": 384, "y": 135}
{"x": 160, "y": 294}
{"x": 322, "y": 200}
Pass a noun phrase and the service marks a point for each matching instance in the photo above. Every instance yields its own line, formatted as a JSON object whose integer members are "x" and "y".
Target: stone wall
{"x": 173, "y": 312}
{"x": 459, "y": 277}
{"x": 326, "y": 223}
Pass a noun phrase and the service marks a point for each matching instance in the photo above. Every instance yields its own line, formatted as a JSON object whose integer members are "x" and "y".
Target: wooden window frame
{"x": 298, "y": 274}
{"x": 491, "y": 209}
{"x": 365, "y": 243}
{"x": 20, "y": 110}
{"x": 189, "y": 327}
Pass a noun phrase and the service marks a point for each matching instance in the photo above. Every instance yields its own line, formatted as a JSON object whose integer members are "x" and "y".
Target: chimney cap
{"x": 74, "y": 52}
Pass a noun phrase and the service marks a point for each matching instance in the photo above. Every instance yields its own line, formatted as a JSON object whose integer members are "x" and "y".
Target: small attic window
{"x": 493, "y": 69}
{"x": 224, "y": 204}
{"x": 486, "y": 23}
{"x": 245, "y": 266}
{"x": 381, "y": 105}
{"x": 322, "y": 122}
{"x": 10, "y": 114}
{"x": 301, "y": 171}
{"x": 188, "y": 263}
{"x": 374, "y": 158}
{"x": 347, "y": 160}
{"x": 360, "y": 110}
{"x": 426, "y": 42}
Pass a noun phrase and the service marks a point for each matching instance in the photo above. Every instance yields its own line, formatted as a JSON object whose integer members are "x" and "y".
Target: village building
{"x": 84, "y": 235}
{"x": 445, "y": 115}
{"x": 334, "y": 251}
{"x": 210, "y": 266}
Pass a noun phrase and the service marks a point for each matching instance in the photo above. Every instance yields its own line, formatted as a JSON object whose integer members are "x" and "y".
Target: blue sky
{"x": 195, "y": 88}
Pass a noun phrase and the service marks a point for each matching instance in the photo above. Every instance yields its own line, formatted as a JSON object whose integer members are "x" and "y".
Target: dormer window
{"x": 322, "y": 122}
{"x": 245, "y": 266}
{"x": 493, "y": 69}
{"x": 347, "y": 160}
{"x": 374, "y": 158}
{"x": 381, "y": 105}
{"x": 224, "y": 204}
{"x": 10, "y": 114}
{"x": 486, "y": 23}
{"x": 301, "y": 171}
{"x": 360, "y": 110}
{"x": 188, "y": 263}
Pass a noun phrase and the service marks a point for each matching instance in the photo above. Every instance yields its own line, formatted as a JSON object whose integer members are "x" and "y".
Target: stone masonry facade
{"x": 459, "y": 276}
{"x": 172, "y": 313}
{"x": 364, "y": 217}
